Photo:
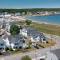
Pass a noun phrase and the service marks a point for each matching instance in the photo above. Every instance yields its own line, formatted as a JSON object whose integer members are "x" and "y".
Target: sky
{"x": 29, "y": 4}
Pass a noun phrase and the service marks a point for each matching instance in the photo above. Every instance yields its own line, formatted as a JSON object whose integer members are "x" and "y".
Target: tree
{"x": 14, "y": 30}
{"x": 28, "y": 22}
{"x": 26, "y": 58}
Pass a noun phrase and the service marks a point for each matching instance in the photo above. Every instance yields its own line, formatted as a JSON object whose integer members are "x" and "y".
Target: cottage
{"x": 7, "y": 26}
{"x": 17, "y": 14}
{"x": 17, "y": 41}
{"x": 14, "y": 42}
{"x": 6, "y": 40}
{"x": 34, "y": 35}
{"x": 23, "y": 32}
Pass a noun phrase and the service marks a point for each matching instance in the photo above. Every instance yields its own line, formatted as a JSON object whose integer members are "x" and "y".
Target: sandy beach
{"x": 40, "y": 22}
{"x": 49, "y": 19}
{"x": 13, "y": 18}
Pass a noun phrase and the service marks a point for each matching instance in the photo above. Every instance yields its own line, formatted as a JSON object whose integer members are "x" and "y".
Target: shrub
{"x": 6, "y": 48}
{"x": 10, "y": 49}
{"x": 28, "y": 22}
{"x": 26, "y": 58}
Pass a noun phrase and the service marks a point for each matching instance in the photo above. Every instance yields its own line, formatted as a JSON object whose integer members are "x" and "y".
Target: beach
{"x": 49, "y": 19}
{"x": 12, "y": 18}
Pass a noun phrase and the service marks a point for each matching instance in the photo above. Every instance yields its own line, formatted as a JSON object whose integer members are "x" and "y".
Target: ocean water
{"x": 52, "y": 19}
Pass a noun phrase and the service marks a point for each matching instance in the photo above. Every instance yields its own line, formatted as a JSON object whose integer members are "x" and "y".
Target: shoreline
{"x": 42, "y": 22}
{"x": 43, "y": 15}
{"x": 46, "y": 23}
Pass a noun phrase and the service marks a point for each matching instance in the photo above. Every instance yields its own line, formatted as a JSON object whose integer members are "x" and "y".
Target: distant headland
{"x": 31, "y": 11}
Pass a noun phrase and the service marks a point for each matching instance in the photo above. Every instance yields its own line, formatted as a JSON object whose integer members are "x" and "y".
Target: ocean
{"x": 51, "y": 19}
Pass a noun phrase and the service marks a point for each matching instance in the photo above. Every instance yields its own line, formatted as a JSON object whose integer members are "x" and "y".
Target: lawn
{"x": 46, "y": 28}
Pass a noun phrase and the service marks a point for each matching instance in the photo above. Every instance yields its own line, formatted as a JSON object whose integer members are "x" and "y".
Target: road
{"x": 34, "y": 54}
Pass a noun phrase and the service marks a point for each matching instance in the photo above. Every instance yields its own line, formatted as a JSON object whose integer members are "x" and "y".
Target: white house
{"x": 24, "y": 32}
{"x": 17, "y": 14}
{"x": 35, "y": 36}
{"x": 14, "y": 42}
{"x": 6, "y": 40}
{"x": 7, "y": 15}
{"x": 7, "y": 27}
{"x": 5, "y": 24}
{"x": 2, "y": 45}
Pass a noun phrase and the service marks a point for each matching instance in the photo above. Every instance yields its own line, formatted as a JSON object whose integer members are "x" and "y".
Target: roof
{"x": 13, "y": 39}
{"x": 34, "y": 33}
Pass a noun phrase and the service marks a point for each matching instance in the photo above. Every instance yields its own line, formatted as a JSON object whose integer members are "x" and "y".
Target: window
{"x": 1, "y": 48}
{"x": 15, "y": 47}
{"x": 23, "y": 41}
{"x": 20, "y": 47}
{"x": 44, "y": 39}
{"x": 2, "y": 44}
{"x": 16, "y": 43}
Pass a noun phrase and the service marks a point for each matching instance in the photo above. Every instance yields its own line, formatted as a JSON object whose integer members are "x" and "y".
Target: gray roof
{"x": 34, "y": 33}
{"x": 13, "y": 39}
{"x": 57, "y": 53}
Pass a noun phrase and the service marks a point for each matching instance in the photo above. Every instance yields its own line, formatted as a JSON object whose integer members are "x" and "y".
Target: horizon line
{"x": 29, "y": 8}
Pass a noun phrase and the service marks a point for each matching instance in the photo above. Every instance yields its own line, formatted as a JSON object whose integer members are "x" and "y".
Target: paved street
{"x": 34, "y": 54}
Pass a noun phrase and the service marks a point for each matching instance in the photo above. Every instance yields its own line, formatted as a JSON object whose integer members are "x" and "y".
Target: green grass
{"x": 46, "y": 28}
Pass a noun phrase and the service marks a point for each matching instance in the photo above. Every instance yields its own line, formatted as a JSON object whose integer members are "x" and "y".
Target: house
{"x": 6, "y": 40}
{"x": 17, "y": 14}
{"x": 7, "y": 15}
{"x": 17, "y": 41}
{"x": 7, "y": 27}
{"x": 14, "y": 42}
{"x": 35, "y": 36}
{"x": 0, "y": 24}
{"x": 3, "y": 24}
{"x": 23, "y": 32}
{"x": 2, "y": 45}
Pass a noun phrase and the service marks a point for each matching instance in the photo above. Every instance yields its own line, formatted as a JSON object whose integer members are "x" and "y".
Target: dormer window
{"x": 23, "y": 41}
{"x": 16, "y": 43}
{"x": 44, "y": 39}
{"x": 2, "y": 44}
